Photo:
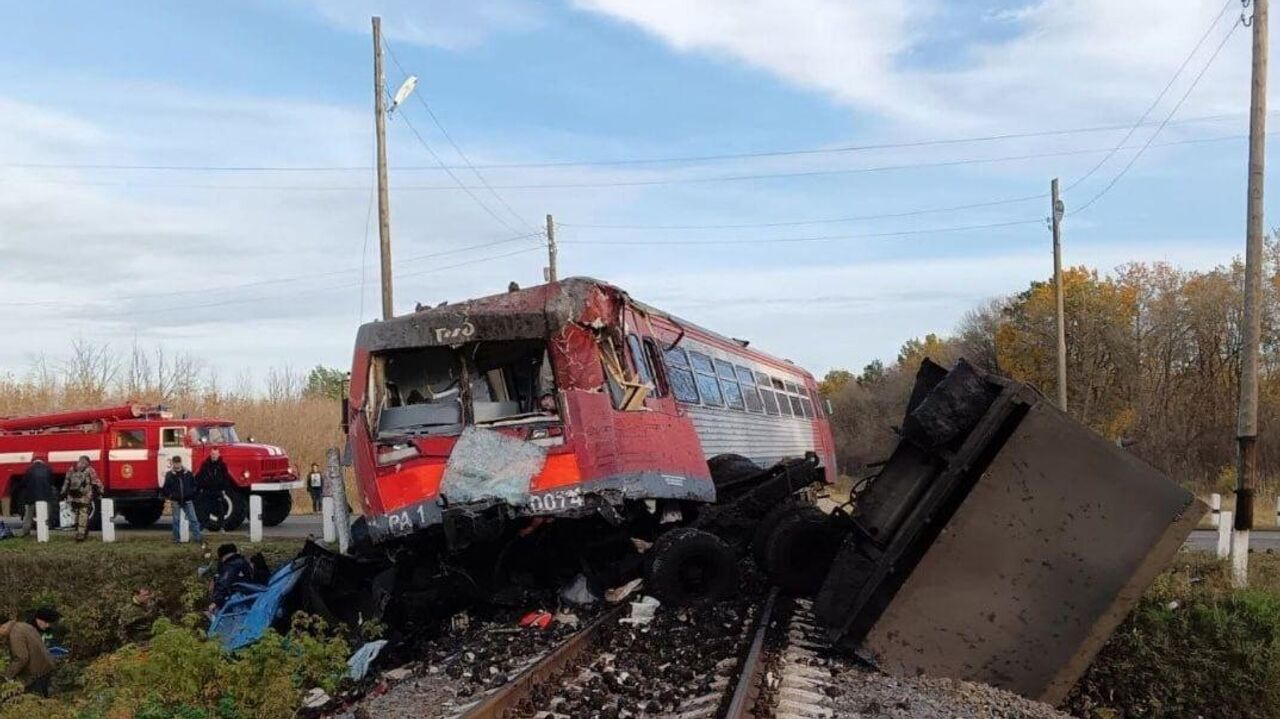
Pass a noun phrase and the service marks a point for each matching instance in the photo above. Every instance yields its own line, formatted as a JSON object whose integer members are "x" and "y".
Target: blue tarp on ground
{"x": 254, "y": 608}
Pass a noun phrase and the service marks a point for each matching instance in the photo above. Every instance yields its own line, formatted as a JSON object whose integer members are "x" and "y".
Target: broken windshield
{"x": 437, "y": 390}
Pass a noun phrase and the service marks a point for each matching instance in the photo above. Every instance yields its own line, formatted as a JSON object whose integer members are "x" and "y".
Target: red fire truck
{"x": 130, "y": 447}
{"x": 479, "y": 421}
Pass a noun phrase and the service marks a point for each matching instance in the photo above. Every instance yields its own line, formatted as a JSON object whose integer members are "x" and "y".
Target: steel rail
{"x": 748, "y": 687}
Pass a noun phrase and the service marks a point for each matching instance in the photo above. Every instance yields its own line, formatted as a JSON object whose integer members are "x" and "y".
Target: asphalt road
{"x": 1206, "y": 540}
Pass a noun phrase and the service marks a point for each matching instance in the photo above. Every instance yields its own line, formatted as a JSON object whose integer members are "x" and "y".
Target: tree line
{"x": 1153, "y": 359}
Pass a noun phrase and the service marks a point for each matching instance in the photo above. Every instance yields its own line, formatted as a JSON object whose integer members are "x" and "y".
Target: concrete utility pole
{"x": 384, "y": 208}
{"x": 1247, "y": 420}
{"x": 552, "y": 274}
{"x": 1058, "y": 210}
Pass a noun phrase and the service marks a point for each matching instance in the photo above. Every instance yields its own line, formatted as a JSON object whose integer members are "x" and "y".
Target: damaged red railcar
{"x": 568, "y": 399}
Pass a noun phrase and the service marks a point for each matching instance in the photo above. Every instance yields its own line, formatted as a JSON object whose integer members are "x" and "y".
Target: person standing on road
{"x": 212, "y": 482}
{"x": 315, "y": 486}
{"x": 37, "y": 486}
{"x": 180, "y": 489}
{"x": 79, "y": 489}
{"x": 30, "y": 663}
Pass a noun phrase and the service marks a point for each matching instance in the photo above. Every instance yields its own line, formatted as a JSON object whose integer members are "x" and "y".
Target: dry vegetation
{"x": 299, "y": 412}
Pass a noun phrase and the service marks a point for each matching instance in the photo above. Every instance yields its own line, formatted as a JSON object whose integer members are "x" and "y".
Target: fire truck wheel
{"x": 275, "y": 508}
{"x": 728, "y": 468}
{"x": 799, "y": 550}
{"x": 235, "y": 509}
{"x": 141, "y": 516}
{"x": 690, "y": 567}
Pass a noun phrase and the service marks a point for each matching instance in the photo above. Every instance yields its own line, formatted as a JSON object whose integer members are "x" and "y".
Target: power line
{"x": 282, "y": 280}
{"x": 846, "y": 149}
{"x": 640, "y": 183}
{"x": 818, "y": 238}
{"x": 1150, "y": 108}
{"x": 1195, "y": 82}
{"x": 456, "y": 147}
{"x": 824, "y": 221}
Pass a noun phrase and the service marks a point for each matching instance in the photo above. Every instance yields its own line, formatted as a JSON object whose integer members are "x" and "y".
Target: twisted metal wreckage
{"x": 1001, "y": 541}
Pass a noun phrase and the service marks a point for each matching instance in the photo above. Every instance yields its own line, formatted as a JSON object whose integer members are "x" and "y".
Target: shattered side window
{"x": 807, "y": 406}
{"x": 725, "y": 370}
{"x": 729, "y": 383}
{"x": 654, "y": 358}
{"x": 770, "y": 401}
{"x": 640, "y": 360}
{"x": 749, "y": 392}
{"x": 680, "y": 376}
{"x": 784, "y": 405}
{"x": 708, "y": 386}
{"x": 796, "y": 408}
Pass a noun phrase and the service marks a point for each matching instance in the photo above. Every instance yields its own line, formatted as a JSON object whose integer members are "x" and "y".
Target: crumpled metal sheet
{"x": 488, "y": 465}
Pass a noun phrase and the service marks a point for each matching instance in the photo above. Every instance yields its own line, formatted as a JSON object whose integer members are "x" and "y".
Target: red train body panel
{"x": 562, "y": 399}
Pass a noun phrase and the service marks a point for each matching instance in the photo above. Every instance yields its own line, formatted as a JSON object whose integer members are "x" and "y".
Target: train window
{"x": 750, "y": 394}
{"x": 807, "y": 405}
{"x": 725, "y": 370}
{"x": 817, "y": 403}
{"x": 770, "y": 401}
{"x": 655, "y": 363}
{"x": 762, "y": 379}
{"x": 793, "y": 388}
{"x": 641, "y": 360}
{"x": 784, "y": 406}
{"x": 732, "y": 394}
{"x": 680, "y": 376}
{"x": 796, "y": 408}
{"x": 708, "y": 386}
{"x": 778, "y": 385}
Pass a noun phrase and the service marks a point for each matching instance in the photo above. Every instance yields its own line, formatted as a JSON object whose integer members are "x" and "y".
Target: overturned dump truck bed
{"x": 1003, "y": 541}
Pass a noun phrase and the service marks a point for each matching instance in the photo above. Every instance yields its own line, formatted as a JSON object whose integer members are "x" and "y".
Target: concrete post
{"x": 107, "y": 510}
{"x": 327, "y": 520}
{"x": 184, "y": 526}
{"x": 255, "y": 518}
{"x": 1224, "y": 536}
{"x": 42, "y": 521}
{"x": 338, "y": 490}
{"x": 1215, "y": 505}
{"x": 1240, "y": 558}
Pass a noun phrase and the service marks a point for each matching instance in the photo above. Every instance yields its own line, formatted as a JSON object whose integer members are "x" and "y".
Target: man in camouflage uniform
{"x": 79, "y": 489}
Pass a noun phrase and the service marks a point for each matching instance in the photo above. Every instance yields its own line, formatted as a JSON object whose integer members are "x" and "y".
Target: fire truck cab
{"x": 131, "y": 446}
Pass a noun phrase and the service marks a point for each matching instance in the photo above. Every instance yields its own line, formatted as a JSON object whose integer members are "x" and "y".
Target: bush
{"x": 1193, "y": 647}
{"x": 180, "y": 674}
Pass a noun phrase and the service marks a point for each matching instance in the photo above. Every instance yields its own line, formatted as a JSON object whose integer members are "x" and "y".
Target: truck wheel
{"x": 764, "y": 530}
{"x": 729, "y": 468}
{"x": 141, "y": 516}
{"x": 235, "y": 509}
{"x": 276, "y": 507}
{"x": 690, "y": 567}
{"x": 799, "y": 550}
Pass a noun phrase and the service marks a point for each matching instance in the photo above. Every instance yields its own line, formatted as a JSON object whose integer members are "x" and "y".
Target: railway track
{"x": 769, "y": 665}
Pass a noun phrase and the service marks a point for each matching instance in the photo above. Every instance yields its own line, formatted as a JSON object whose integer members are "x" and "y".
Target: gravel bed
{"x": 863, "y": 694}
{"x": 655, "y": 669}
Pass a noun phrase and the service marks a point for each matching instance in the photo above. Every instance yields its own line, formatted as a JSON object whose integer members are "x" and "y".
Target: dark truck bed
{"x": 1003, "y": 541}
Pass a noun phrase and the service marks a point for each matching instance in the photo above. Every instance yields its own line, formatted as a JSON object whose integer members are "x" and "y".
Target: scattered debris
{"x": 358, "y": 664}
{"x": 537, "y": 619}
{"x": 642, "y": 611}
{"x": 316, "y": 698}
{"x": 579, "y": 592}
{"x": 617, "y": 594}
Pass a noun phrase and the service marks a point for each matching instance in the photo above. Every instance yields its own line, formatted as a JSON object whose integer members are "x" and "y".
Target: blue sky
{"x": 252, "y": 269}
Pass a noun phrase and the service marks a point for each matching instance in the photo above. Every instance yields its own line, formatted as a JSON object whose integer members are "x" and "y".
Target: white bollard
{"x": 1215, "y": 509}
{"x": 184, "y": 525}
{"x": 107, "y": 510}
{"x": 1224, "y": 535}
{"x": 255, "y": 518}
{"x": 330, "y": 527}
{"x": 1240, "y": 559}
{"x": 42, "y": 521}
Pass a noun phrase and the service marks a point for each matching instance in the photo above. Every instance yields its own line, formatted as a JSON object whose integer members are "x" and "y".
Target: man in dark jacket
{"x": 232, "y": 570}
{"x": 37, "y": 486}
{"x": 212, "y": 481}
{"x": 180, "y": 489}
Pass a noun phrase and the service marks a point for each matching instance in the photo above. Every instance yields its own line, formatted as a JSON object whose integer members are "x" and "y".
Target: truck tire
{"x": 141, "y": 516}
{"x": 764, "y": 530}
{"x": 728, "y": 468}
{"x": 235, "y": 509}
{"x": 799, "y": 550}
{"x": 276, "y": 507}
{"x": 690, "y": 567}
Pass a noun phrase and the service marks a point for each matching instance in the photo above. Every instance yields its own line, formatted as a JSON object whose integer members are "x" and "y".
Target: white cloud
{"x": 449, "y": 24}
{"x": 1066, "y": 61}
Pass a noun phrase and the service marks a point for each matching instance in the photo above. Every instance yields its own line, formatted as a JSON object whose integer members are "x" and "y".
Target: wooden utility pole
{"x": 552, "y": 274}
{"x": 1058, "y": 210}
{"x": 384, "y": 208}
{"x": 1247, "y": 420}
